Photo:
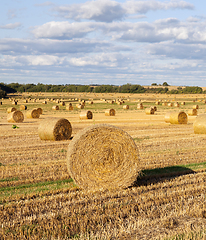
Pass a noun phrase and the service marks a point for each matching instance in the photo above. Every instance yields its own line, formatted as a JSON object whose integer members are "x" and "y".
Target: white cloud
{"x": 10, "y": 25}
{"x": 100, "y": 11}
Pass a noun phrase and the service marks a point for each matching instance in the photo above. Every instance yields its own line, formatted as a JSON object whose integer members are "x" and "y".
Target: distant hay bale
{"x": 11, "y": 109}
{"x": 176, "y": 117}
{"x": 14, "y": 103}
{"x": 176, "y": 104}
{"x": 85, "y": 115}
{"x": 140, "y": 106}
{"x": 119, "y": 103}
{"x": 192, "y": 112}
{"x": 195, "y": 106}
{"x": 182, "y": 103}
{"x": 55, "y": 107}
{"x": 103, "y": 157}
{"x": 80, "y": 106}
{"x": 154, "y": 107}
{"x": 126, "y": 107}
{"x": 0, "y": 103}
{"x": 164, "y": 104}
{"x": 157, "y": 103}
{"x": 23, "y": 107}
{"x": 110, "y": 112}
{"x": 170, "y": 104}
{"x": 62, "y": 103}
{"x": 15, "y": 117}
{"x": 90, "y": 102}
{"x": 149, "y": 111}
{"x": 34, "y": 113}
{"x": 26, "y": 100}
{"x": 69, "y": 107}
{"x": 44, "y": 102}
{"x": 55, "y": 129}
{"x": 199, "y": 124}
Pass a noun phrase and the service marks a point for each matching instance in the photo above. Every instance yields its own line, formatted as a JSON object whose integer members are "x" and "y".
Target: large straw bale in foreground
{"x": 85, "y": 115}
{"x": 15, "y": 117}
{"x": 176, "y": 117}
{"x": 199, "y": 124}
{"x": 32, "y": 113}
{"x": 103, "y": 157}
{"x": 40, "y": 111}
{"x": 110, "y": 112}
{"x": 11, "y": 109}
{"x": 55, "y": 129}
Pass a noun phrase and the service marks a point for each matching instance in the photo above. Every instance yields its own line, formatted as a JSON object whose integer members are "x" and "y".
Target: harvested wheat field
{"x": 166, "y": 200}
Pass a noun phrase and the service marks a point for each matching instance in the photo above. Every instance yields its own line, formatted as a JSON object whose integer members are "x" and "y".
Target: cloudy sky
{"x": 103, "y": 42}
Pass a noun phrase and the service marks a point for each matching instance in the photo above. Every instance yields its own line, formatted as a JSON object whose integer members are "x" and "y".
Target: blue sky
{"x": 103, "y": 42}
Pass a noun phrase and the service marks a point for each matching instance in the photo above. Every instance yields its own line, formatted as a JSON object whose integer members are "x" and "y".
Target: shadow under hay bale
{"x": 199, "y": 124}
{"x": 103, "y": 157}
{"x": 15, "y": 117}
{"x": 55, "y": 129}
{"x": 85, "y": 115}
{"x": 176, "y": 117}
{"x": 32, "y": 113}
{"x": 110, "y": 112}
{"x": 11, "y": 109}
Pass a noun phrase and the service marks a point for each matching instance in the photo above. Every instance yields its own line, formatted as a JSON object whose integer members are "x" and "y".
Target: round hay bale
{"x": 32, "y": 113}
{"x": 44, "y": 102}
{"x": 110, "y": 112}
{"x": 126, "y": 107}
{"x": 55, "y": 129}
{"x": 195, "y": 106}
{"x": 16, "y": 116}
{"x": 23, "y": 107}
{"x": 85, "y": 115}
{"x": 14, "y": 103}
{"x": 11, "y": 109}
{"x": 154, "y": 107}
{"x": 170, "y": 104}
{"x": 164, "y": 104}
{"x": 192, "y": 112}
{"x": 199, "y": 124}
{"x": 157, "y": 103}
{"x": 55, "y": 107}
{"x": 80, "y": 106}
{"x": 176, "y": 117}
{"x": 140, "y": 106}
{"x": 176, "y": 104}
{"x": 182, "y": 103}
{"x": 62, "y": 104}
{"x": 40, "y": 111}
{"x": 103, "y": 157}
{"x": 69, "y": 107}
{"x": 149, "y": 111}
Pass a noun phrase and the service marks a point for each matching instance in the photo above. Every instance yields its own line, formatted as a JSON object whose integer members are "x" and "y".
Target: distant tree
{"x": 154, "y": 84}
{"x": 165, "y": 84}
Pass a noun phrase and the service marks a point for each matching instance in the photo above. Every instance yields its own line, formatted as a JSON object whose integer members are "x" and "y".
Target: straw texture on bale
{"x": 85, "y": 115}
{"x": 110, "y": 112}
{"x": 11, "y": 109}
{"x": 176, "y": 117}
{"x": 32, "y": 113}
{"x": 149, "y": 111}
{"x": 55, "y": 107}
{"x": 103, "y": 157}
{"x": 15, "y": 117}
{"x": 40, "y": 111}
{"x": 126, "y": 107}
{"x": 23, "y": 107}
{"x": 199, "y": 124}
{"x": 55, "y": 129}
{"x": 192, "y": 112}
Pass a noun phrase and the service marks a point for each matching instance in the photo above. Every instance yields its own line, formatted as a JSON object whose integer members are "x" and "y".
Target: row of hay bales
{"x": 16, "y": 116}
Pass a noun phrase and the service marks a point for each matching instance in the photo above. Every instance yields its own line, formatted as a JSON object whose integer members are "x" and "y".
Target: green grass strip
{"x": 40, "y": 184}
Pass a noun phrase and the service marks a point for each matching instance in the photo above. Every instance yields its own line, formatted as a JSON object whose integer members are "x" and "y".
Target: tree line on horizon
{"x": 126, "y": 88}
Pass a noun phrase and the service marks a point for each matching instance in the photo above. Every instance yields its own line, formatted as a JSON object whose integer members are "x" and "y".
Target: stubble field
{"x": 39, "y": 200}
